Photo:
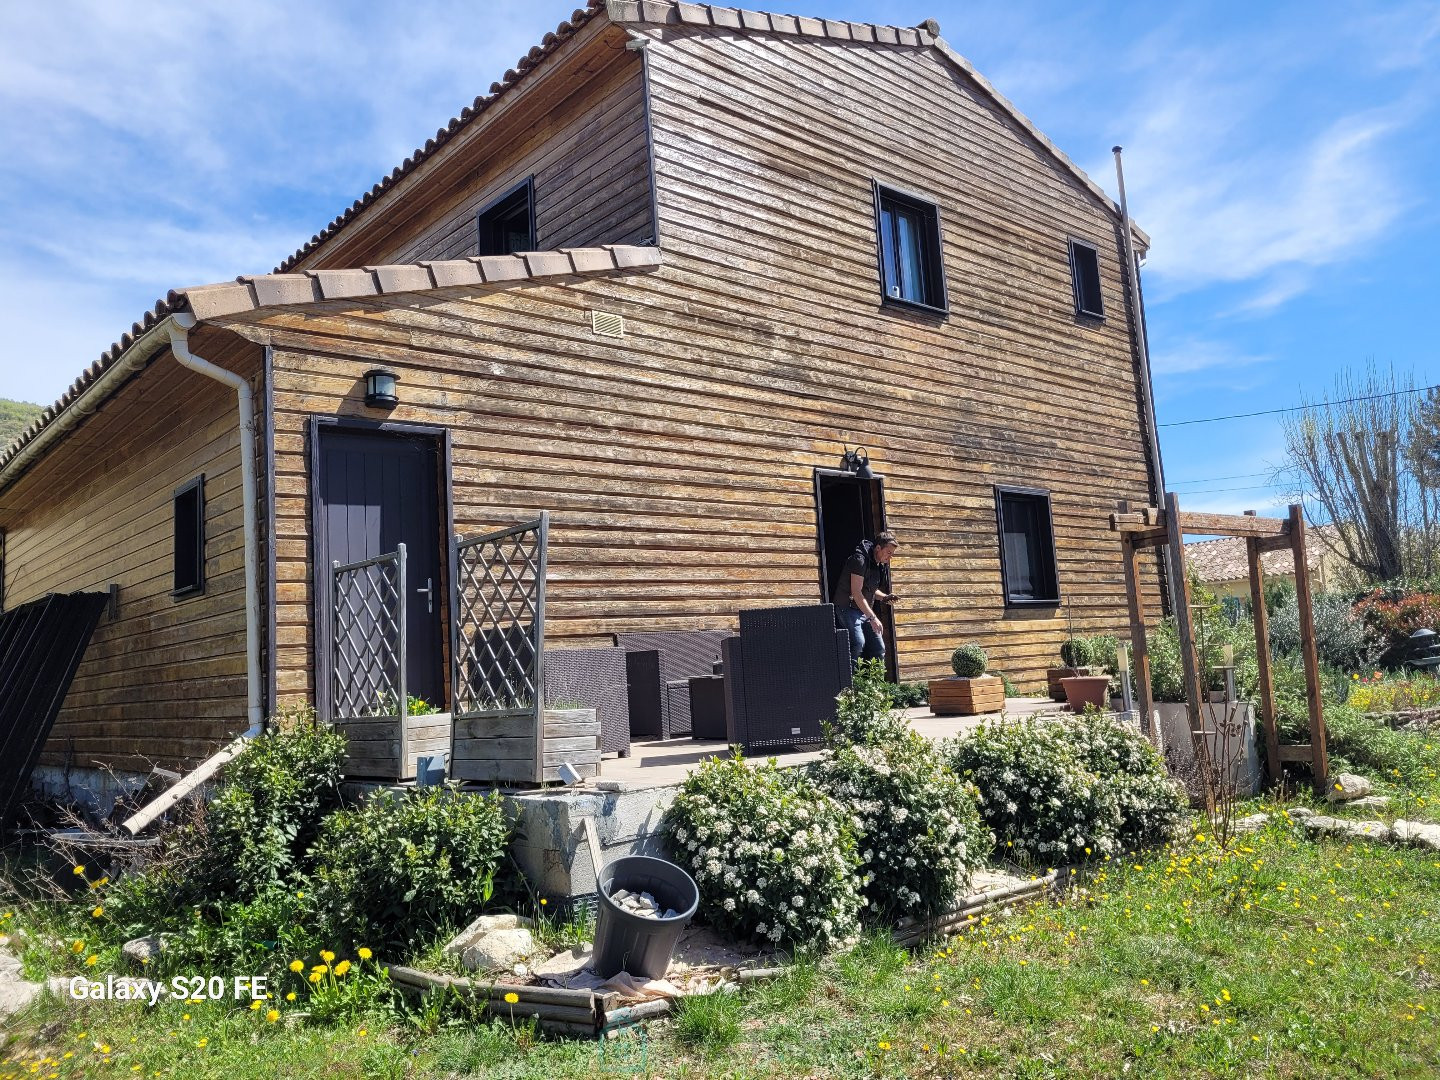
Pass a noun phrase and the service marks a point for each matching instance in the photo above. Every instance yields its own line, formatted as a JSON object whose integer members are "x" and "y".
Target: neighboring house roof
{"x": 250, "y": 293}
{"x": 672, "y": 12}
{"x": 1226, "y": 559}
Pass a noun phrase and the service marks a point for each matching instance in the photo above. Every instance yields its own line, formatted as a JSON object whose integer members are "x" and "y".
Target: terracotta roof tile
{"x": 1226, "y": 559}
{"x": 278, "y": 290}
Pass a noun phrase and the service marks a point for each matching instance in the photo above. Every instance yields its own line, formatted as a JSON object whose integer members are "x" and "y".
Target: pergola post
{"x": 1319, "y": 758}
{"x": 1262, "y": 659}
{"x": 1139, "y": 645}
{"x": 1189, "y": 660}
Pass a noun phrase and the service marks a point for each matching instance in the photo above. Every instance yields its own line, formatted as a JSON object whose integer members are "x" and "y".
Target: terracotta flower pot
{"x": 1053, "y": 676}
{"x": 1083, "y": 690}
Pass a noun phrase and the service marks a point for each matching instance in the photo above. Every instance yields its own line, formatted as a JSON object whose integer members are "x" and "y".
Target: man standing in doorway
{"x": 861, "y": 586}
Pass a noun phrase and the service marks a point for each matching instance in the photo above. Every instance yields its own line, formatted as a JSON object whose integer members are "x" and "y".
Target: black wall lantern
{"x": 380, "y": 388}
{"x": 856, "y": 462}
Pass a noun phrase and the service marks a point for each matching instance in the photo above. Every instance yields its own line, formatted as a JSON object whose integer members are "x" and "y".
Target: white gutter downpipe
{"x": 179, "y": 327}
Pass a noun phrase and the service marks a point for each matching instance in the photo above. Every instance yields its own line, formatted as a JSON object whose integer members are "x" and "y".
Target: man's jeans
{"x": 865, "y": 643}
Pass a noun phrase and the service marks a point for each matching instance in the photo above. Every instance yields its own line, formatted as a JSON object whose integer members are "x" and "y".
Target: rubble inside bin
{"x": 641, "y": 904}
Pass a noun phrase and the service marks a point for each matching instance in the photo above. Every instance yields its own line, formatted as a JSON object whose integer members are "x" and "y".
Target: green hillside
{"x": 15, "y": 417}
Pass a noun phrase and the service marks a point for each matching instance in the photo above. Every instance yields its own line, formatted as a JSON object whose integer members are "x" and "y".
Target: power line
{"x": 1297, "y": 408}
{"x": 1217, "y": 479}
{"x": 1211, "y": 491}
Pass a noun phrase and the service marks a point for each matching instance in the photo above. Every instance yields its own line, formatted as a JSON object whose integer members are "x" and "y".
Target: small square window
{"x": 908, "y": 236}
{"x": 507, "y": 225}
{"x": 1085, "y": 274}
{"x": 190, "y": 538}
{"x": 1027, "y": 546}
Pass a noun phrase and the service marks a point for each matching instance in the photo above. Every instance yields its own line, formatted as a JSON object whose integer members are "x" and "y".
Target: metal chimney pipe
{"x": 1142, "y": 344}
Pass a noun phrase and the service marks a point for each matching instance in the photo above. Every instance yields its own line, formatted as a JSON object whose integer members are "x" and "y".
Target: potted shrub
{"x": 1075, "y": 653}
{"x": 971, "y": 691}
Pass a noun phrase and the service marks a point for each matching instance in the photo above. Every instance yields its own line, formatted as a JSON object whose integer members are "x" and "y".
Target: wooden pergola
{"x": 1152, "y": 527}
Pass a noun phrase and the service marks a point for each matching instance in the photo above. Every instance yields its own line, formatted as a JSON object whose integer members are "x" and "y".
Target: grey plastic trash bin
{"x": 626, "y": 942}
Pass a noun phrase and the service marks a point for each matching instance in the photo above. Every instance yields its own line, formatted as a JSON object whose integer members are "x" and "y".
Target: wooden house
{"x": 657, "y": 282}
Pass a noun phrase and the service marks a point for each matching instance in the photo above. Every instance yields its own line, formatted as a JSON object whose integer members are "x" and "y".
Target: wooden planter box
{"x": 373, "y": 746}
{"x": 502, "y": 750}
{"x": 966, "y": 697}
{"x": 1052, "y": 680}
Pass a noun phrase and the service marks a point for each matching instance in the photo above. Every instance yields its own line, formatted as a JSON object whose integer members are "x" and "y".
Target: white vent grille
{"x": 607, "y": 324}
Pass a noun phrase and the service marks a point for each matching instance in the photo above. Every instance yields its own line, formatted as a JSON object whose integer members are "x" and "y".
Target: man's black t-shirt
{"x": 862, "y": 562}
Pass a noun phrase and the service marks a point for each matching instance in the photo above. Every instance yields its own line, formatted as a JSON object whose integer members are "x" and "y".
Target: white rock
{"x": 1371, "y": 802}
{"x": 670, "y": 913}
{"x": 1422, "y": 833}
{"x": 620, "y": 895}
{"x": 485, "y": 924}
{"x": 143, "y": 950}
{"x": 1300, "y": 813}
{"x": 564, "y": 964}
{"x": 499, "y": 950}
{"x": 1253, "y": 823}
{"x": 520, "y": 969}
{"x": 1347, "y": 787}
{"x": 1359, "y": 830}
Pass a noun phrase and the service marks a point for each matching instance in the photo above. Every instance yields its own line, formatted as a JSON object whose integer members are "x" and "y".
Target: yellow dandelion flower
{"x": 91, "y": 960}
{"x": 315, "y": 976}
{"x": 254, "y": 1006}
{"x": 327, "y": 956}
{"x": 511, "y": 998}
{"x": 342, "y": 967}
{"x": 544, "y": 902}
{"x": 273, "y": 1015}
{"x": 99, "y": 910}
{"x": 105, "y": 1048}
{"x": 78, "y": 947}
{"x": 297, "y": 965}
{"x": 320, "y": 969}
{"x": 884, "y": 1045}
{"x": 78, "y": 871}
{"x": 202, "y": 1043}
{"x": 290, "y": 996}
{"x": 362, "y": 1033}
{"x": 364, "y": 953}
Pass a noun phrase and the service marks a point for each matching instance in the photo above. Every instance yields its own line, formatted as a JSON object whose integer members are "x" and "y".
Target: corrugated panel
{"x": 41, "y": 645}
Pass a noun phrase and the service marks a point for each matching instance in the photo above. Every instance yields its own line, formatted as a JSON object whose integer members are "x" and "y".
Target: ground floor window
{"x": 1027, "y": 546}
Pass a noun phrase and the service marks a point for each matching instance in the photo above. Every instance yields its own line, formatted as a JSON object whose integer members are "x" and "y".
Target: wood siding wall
{"x": 580, "y": 133}
{"x": 766, "y": 149}
{"x": 165, "y": 682}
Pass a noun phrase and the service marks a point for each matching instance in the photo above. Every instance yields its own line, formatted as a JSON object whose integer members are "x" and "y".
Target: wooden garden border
{"x": 1153, "y": 527}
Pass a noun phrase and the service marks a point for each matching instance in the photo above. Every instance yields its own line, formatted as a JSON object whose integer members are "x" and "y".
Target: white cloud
{"x": 1190, "y": 355}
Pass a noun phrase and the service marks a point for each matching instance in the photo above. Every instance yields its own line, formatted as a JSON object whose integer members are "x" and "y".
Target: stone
{"x": 15, "y": 992}
{"x": 562, "y": 965}
{"x": 1253, "y": 823}
{"x": 1421, "y": 833}
{"x": 1371, "y": 802}
{"x": 1300, "y": 813}
{"x": 521, "y": 970}
{"x": 143, "y": 949}
{"x": 1358, "y": 830}
{"x": 1347, "y": 787}
{"x": 499, "y": 950}
{"x": 483, "y": 925}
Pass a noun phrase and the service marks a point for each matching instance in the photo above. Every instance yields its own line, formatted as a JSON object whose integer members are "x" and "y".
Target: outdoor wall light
{"x": 380, "y": 388}
{"x": 856, "y": 462}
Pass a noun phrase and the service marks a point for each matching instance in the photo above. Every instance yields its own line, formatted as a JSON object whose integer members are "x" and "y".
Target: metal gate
{"x": 368, "y": 662}
{"x": 498, "y": 637}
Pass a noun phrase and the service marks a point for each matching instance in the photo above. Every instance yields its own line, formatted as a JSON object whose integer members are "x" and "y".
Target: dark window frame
{"x": 1002, "y": 492}
{"x": 937, "y": 290}
{"x": 195, "y": 586}
{"x": 484, "y": 236}
{"x": 1096, "y": 314}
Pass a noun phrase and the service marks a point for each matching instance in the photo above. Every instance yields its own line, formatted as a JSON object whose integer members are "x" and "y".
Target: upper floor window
{"x": 507, "y": 225}
{"x": 1027, "y": 546}
{"x": 908, "y": 235}
{"x": 190, "y": 538}
{"x": 1085, "y": 273}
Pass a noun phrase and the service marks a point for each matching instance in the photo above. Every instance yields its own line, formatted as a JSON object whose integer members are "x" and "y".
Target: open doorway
{"x": 848, "y": 509}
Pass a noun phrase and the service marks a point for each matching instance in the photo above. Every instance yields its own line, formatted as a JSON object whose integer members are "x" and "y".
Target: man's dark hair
{"x": 886, "y": 539}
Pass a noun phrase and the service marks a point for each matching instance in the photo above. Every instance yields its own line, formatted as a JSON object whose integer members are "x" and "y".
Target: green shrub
{"x": 969, "y": 661}
{"x": 1075, "y": 652}
{"x": 907, "y": 695}
{"x": 1035, "y": 792}
{"x": 1342, "y": 638}
{"x": 400, "y": 868}
{"x": 863, "y": 711}
{"x": 773, "y": 855}
{"x": 1105, "y": 653}
{"x": 1005, "y": 682}
{"x": 1392, "y": 615}
{"x": 1368, "y": 745}
{"x": 917, "y": 825}
{"x": 1151, "y": 804}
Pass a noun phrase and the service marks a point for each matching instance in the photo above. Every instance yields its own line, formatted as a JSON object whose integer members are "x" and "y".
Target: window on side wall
{"x": 1085, "y": 274}
{"x": 1027, "y": 546}
{"x": 189, "y": 508}
{"x": 907, "y": 230}
{"x": 507, "y": 225}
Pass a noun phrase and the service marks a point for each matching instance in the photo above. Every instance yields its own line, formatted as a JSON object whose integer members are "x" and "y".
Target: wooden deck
{"x": 665, "y": 763}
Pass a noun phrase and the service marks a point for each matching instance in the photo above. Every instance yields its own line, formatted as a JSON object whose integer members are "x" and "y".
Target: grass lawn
{"x": 1281, "y": 957}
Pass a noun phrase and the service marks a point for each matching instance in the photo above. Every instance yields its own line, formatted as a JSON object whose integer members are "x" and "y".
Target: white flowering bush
{"x": 864, "y": 710}
{"x": 916, "y": 824}
{"x": 1152, "y": 805}
{"x": 1036, "y": 792}
{"x": 773, "y": 855}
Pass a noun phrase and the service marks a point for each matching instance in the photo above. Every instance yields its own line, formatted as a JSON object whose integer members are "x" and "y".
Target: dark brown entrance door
{"x": 849, "y": 509}
{"x": 375, "y": 491}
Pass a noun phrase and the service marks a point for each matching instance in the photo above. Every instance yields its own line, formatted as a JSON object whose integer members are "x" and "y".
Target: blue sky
{"x": 1282, "y": 157}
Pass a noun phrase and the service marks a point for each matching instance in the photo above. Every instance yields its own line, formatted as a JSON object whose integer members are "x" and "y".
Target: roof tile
{"x": 546, "y": 263}
{"x": 908, "y": 35}
{"x": 887, "y": 35}
{"x": 784, "y": 24}
{"x": 727, "y": 17}
{"x": 211, "y": 301}
{"x": 402, "y": 278}
{"x": 275, "y": 289}
{"x": 695, "y": 14}
{"x": 502, "y": 267}
{"x": 812, "y": 27}
{"x": 837, "y": 29}
{"x": 590, "y": 260}
{"x": 628, "y": 257}
{"x": 658, "y": 11}
{"x": 343, "y": 284}
{"x": 754, "y": 20}
{"x": 450, "y": 272}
